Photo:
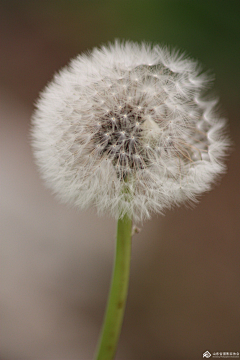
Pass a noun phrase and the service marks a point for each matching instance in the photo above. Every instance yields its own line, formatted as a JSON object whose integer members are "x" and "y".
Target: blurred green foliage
{"x": 208, "y": 30}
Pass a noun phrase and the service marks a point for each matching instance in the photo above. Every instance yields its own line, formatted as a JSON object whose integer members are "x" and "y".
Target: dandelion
{"x": 127, "y": 129}
{"x": 128, "y": 112}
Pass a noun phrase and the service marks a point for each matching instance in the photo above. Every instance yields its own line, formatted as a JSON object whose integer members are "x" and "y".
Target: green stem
{"x": 118, "y": 292}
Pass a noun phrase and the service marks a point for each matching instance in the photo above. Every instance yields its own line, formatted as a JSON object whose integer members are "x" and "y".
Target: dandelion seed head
{"x": 128, "y": 130}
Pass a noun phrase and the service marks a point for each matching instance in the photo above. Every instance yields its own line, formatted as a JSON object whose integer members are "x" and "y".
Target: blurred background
{"x": 56, "y": 262}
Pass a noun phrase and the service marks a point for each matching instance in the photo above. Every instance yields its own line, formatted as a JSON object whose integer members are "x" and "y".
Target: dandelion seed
{"x": 161, "y": 136}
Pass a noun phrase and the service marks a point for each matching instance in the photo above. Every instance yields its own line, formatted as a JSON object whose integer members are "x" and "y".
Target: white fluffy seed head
{"x": 126, "y": 128}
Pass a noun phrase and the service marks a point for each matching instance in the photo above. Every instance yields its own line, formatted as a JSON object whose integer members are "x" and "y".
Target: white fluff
{"x": 125, "y": 128}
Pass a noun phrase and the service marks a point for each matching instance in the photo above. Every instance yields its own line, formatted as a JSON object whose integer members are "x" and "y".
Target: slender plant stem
{"x": 118, "y": 292}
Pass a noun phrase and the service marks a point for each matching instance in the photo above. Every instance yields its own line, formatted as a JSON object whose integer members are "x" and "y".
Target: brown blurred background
{"x": 56, "y": 262}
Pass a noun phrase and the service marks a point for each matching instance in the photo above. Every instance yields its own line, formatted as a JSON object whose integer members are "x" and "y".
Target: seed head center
{"x": 120, "y": 138}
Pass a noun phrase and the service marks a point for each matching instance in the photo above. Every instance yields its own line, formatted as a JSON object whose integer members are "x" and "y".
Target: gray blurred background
{"x": 56, "y": 261}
